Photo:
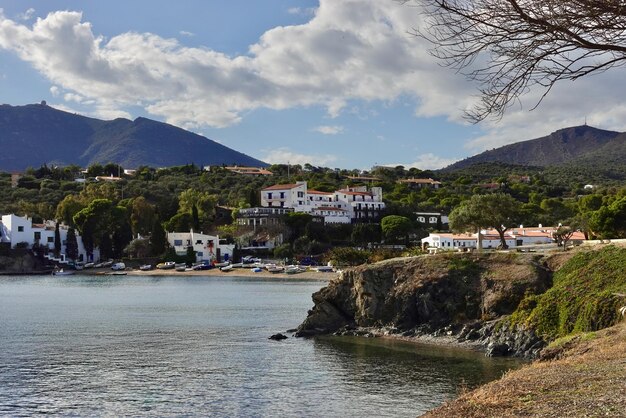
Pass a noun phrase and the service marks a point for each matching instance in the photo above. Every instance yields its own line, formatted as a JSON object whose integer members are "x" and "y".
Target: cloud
{"x": 186, "y": 33}
{"x": 55, "y": 91}
{"x": 348, "y": 52}
{"x": 328, "y": 129}
{"x": 301, "y": 11}
{"x": 427, "y": 161}
{"x": 285, "y": 156}
{"x": 27, "y": 15}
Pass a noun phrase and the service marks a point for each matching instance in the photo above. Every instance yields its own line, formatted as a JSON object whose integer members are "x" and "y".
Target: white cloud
{"x": 55, "y": 91}
{"x": 27, "y": 15}
{"x": 349, "y": 51}
{"x": 301, "y": 11}
{"x": 427, "y": 161}
{"x": 285, "y": 156}
{"x": 186, "y": 33}
{"x": 329, "y": 129}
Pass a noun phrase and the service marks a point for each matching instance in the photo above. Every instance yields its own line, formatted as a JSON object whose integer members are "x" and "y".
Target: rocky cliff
{"x": 457, "y": 295}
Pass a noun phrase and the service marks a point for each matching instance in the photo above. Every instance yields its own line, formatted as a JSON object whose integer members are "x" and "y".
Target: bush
{"x": 346, "y": 256}
{"x": 582, "y": 299}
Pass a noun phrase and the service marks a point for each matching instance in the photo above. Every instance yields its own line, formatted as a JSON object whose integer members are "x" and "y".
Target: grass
{"x": 582, "y": 299}
{"x": 588, "y": 381}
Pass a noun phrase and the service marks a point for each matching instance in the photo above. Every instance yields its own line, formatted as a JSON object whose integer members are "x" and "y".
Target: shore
{"x": 239, "y": 272}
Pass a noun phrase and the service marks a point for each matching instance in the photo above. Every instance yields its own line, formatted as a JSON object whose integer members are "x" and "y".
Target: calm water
{"x": 80, "y": 345}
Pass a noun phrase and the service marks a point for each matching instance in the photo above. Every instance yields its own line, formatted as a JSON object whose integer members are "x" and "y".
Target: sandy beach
{"x": 239, "y": 272}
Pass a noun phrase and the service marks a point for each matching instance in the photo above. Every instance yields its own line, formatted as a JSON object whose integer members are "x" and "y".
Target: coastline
{"x": 240, "y": 272}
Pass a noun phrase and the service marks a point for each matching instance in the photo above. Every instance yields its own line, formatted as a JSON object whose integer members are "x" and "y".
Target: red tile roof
{"x": 348, "y": 192}
{"x": 282, "y": 186}
{"x": 318, "y": 192}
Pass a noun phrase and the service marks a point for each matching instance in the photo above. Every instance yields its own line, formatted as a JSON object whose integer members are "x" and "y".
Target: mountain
{"x": 570, "y": 146}
{"x": 38, "y": 134}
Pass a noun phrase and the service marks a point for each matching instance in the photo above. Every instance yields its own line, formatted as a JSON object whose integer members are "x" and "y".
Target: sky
{"x": 334, "y": 83}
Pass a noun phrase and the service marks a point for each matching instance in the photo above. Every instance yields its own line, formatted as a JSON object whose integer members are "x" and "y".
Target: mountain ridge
{"x": 37, "y": 134}
{"x": 562, "y": 147}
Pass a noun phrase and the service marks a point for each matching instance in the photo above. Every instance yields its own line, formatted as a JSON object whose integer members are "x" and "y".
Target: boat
{"x": 276, "y": 269}
{"x": 180, "y": 266}
{"x": 324, "y": 269}
{"x": 294, "y": 269}
{"x": 107, "y": 263}
{"x": 256, "y": 270}
{"x": 145, "y": 267}
{"x": 116, "y": 273}
{"x": 168, "y": 265}
{"x": 118, "y": 266}
{"x": 88, "y": 265}
{"x": 203, "y": 265}
{"x": 226, "y": 268}
{"x": 224, "y": 264}
{"x": 62, "y": 272}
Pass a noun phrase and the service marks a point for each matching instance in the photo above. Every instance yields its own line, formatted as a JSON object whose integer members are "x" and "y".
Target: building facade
{"x": 352, "y": 204}
{"x": 21, "y": 230}
{"x": 207, "y": 247}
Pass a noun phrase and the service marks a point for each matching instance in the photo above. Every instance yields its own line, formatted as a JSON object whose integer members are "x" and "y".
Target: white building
{"x": 17, "y": 230}
{"x": 514, "y": 237}
{"x": 207, "y": 247}
{"x": 341, "y": 206}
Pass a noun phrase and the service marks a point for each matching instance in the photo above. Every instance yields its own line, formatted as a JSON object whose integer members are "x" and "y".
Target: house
{"x": 250, "y": 171}
{"x": 108, "y": 178}
{"x": 514, "y": 237}
{"x": 21, "y": 230}
{"x": 352, "y": 204}
{"x": 206, "y": 247}
{"x": 421, "y": 183}
{"x": 432, "y": 219}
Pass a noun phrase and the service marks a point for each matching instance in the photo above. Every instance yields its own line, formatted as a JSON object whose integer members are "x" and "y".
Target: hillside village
{"x": 218, "y": 213}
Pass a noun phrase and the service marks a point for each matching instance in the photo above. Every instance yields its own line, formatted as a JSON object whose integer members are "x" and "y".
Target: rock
{"x": 497, "y": 350}
{"x": 292, "y": 330}
{"x": 278, "y": 337}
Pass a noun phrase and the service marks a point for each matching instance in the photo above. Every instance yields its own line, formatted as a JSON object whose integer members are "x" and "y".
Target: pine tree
{"x": 71, "y": 245}
{"x": 57, "y": 241}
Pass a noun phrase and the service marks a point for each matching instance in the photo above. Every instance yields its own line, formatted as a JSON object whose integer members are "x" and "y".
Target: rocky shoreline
{"x": 448, "y": 299}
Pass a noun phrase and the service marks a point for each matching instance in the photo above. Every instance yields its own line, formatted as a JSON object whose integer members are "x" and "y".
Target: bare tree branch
{"x": 510, "y": 46}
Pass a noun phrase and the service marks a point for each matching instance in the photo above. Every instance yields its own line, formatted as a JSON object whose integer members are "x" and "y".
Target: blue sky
{"x": 338, "y": 83}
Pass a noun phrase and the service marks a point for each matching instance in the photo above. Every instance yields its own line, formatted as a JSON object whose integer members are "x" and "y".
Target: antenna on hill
{"x": 585, "y": 120}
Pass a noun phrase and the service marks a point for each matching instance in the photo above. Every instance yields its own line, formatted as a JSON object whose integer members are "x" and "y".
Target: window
{"x": 300, "y": 194}
{"x": 188, "y": 242}
{"x": 421, "y": 219}
{"x": 199, "y": 241}
{"x": 20, "y": 229}
{"x": 432, "y": 220}
{"x": 299, "y": 202}
{"x": 269, "y": 195}
{"x": 37, "y": 236}
{"x": 282, "y": 195}
{"x": 50, "y": 239}
{"x": 199, "y": 253}
{"x": 178, "y": 242}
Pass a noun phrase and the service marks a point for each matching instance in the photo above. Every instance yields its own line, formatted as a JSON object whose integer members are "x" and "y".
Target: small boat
{"x": 276, "y": 269}
{"x": 180, "y": 267}
{"x": 256, "y": 270}
{"x": 324, "y": 269}
{"x": 78, "y": 266}
{"x": 226, "y": 268}
{"x": 145, "y": 267}
{"x": 62, "y": 272}
{"x": 118, "y": 266}
{"x": 116, "y": 273}
{"x": 88, "y": 265}
{"x": 204, "y": 265}
{"x": 224, "y": 264}
{"x": 107, "y": 263}
{"x": 168, "y": 265}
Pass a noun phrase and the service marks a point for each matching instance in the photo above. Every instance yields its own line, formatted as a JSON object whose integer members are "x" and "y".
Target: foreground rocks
{"x": 465, "y": 298}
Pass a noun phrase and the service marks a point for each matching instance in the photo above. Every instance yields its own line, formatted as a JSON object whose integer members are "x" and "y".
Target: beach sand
{"x": 238, "y": 272}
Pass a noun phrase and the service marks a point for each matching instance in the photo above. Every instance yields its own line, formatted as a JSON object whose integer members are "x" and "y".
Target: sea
{"x": 198, "y": 346}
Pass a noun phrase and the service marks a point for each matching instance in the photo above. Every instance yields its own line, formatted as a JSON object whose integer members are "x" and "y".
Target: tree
{"x": 71, "y": 245}
{"x": 395, "y": 228}
{"x": 498, "y": 211}
{"x": 158, "y": 239}
{"x": 142, "y": 216}
{"x": 509, "y": 46}
{"x": 363, "y": 234}
{"x": 57, "y": 240}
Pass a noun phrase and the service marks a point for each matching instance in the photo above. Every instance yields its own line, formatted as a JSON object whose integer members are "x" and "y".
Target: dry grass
{"x": 589, "y": 380}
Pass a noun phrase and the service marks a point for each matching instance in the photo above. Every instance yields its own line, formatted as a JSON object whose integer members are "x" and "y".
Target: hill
{"x": 570, "y": 146}
{"x": 33, "y": 135}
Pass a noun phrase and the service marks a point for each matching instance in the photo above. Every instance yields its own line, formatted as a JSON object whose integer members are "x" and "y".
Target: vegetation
{"x": 584, "y": 296}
